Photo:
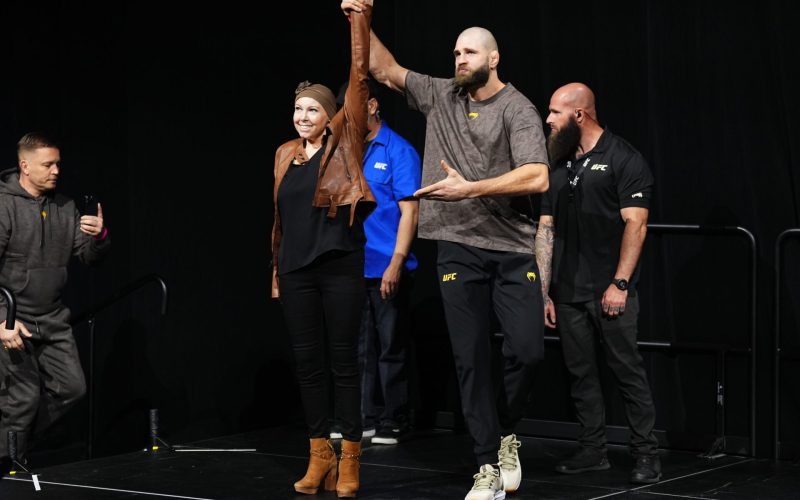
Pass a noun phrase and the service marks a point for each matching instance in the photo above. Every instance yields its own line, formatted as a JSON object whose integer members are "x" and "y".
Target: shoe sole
{"x": 382, "y": 440}
{"x": 500, "y": 495}
{"x": 564, "y": 470}
{"x": 365, "y": 434}
{"x": 646, "y": 481}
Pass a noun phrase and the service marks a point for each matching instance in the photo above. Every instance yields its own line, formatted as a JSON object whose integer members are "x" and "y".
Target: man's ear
{"x": 494, "y": 59}
{"x": 372, "y": 106}
{"x": 23, "y": 165}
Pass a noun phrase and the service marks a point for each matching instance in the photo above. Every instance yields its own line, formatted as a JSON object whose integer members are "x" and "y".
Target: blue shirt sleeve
{"x": 406, "y": 170}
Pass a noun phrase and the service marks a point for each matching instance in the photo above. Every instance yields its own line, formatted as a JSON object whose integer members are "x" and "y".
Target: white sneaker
{"x": 508, "y": 461}
{"x": 488, "y": 485}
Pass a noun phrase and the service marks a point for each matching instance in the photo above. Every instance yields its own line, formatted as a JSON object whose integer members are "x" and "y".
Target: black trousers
{"x": 322, "y": 307}
{"x": 583, "y": 329}
{"x": 38, "y": 385}
{"x": 474, "y": 282}
{"x": 382, "y": 354}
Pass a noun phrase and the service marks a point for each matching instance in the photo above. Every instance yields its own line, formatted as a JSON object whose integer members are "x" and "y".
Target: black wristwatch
{"x": 620, "y": 283}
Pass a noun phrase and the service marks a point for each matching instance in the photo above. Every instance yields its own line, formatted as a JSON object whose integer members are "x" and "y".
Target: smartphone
{"x": 88, "y": 205}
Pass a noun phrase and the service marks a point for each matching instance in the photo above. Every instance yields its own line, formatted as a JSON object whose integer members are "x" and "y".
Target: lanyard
{"x": 573, "y": 182}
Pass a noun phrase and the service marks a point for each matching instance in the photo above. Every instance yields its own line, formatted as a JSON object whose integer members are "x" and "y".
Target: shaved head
{"x": 577, "y": 95}
{"x": 476, "y": 59}
{"x": 481, "y": 36}
{"x": 574, "y": 128}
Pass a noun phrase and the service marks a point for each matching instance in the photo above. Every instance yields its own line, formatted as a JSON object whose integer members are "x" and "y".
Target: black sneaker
{"x": 390, "y": 434}
{"x": 585, "y": 460}
{"x": 647, "y": 470}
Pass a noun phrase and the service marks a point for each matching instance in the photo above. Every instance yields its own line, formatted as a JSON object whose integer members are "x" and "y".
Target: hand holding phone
{"x": 88, "y": 205}
{"x": 91, "y": 221}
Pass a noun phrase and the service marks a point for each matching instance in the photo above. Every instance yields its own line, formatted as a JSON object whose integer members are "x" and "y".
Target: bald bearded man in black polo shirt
{"x": 592, "y": 227}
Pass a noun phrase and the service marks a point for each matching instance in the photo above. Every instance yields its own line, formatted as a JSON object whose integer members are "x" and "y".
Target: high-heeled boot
{"x": 347, "y": 486}
{"x": 322, "y": 465}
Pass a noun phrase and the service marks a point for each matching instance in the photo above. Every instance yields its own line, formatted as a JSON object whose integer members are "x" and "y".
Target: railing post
{"x": 688, "y": 229}
{"x": 753, "y": 332}
{"x": 90, "y": 318}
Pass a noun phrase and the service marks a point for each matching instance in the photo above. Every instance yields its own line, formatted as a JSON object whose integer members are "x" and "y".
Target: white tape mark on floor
{"x": 35, "y": 481}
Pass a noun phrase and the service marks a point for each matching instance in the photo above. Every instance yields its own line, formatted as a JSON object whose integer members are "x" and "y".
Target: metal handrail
{"x": 11, "y": 301}
{"x": 732, "y": 230}
{"x": 719, "y": 349}
{"x": 121, "y": 294}
{"x": 777, "y": 334}
{"x": 677, "y": 346}
{"x": 89, "y": 316}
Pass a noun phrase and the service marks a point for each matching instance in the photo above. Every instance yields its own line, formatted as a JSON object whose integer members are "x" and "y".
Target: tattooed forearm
{"x": 543, "y": 247}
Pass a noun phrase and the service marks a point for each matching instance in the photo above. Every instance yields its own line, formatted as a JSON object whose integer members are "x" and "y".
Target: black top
{"x": 585, "y": 198}
{"x": 307, "y": 231}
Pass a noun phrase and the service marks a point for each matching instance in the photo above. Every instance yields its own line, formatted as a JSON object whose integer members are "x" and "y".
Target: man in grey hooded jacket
{"x": 40, "y": 372}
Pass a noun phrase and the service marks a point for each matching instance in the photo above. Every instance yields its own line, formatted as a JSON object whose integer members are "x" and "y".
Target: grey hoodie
{"x": 37, "y": 239}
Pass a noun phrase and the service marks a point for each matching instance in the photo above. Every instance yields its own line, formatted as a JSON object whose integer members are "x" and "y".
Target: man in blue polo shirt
{"x": 393, "y": 171}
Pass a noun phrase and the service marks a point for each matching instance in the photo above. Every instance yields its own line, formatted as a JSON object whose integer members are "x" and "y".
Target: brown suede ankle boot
{"x": 347, "y": 487}
{"x": 321, "y": 465}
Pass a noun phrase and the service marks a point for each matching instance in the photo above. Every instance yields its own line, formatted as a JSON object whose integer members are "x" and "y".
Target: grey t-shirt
{"x": 480, "y": 140}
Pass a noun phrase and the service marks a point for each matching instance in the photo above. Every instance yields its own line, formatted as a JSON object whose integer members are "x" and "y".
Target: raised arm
{"x": 357, "y": 95}
{"x": 382, "y": 64}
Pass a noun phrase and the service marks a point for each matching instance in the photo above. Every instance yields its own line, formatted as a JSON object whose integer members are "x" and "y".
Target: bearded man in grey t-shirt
{"x": 484, "y": 154}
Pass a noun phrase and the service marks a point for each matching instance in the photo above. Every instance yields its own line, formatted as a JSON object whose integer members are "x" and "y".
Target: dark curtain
{"x": 171, "y": 113}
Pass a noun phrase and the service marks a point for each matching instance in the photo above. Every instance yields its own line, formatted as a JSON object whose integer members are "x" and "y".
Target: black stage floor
{"x": 432, "y": 465}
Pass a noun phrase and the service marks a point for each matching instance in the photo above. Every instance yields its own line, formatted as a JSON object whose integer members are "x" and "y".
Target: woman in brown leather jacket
{"x": 321, "y": 199}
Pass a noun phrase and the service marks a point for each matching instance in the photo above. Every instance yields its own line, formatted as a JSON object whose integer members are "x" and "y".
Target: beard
{"x": 563, "y": 144}
{"x": 474, "y": 80}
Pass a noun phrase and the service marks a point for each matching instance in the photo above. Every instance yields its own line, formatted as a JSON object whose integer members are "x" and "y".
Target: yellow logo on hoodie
{"x": 44, "y": 214}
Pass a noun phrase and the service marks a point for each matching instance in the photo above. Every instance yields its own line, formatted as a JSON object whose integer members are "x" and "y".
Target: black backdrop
{"x": 170, "y": 113}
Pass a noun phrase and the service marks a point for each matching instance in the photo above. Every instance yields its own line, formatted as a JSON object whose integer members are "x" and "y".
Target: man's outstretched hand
{"x": 452, "y": 188}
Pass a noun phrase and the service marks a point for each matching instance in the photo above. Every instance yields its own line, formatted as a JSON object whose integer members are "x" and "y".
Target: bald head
{"x": 577, "y": 96}
{"x": 574, "y": 128}
{"x": 477, "y": 36}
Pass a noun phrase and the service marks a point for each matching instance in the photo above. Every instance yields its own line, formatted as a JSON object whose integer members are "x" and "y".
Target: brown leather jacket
{"x": 341, "y": 180}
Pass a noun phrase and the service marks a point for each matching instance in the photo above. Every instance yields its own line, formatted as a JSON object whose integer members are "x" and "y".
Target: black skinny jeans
{"x": 322, "y": 305}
